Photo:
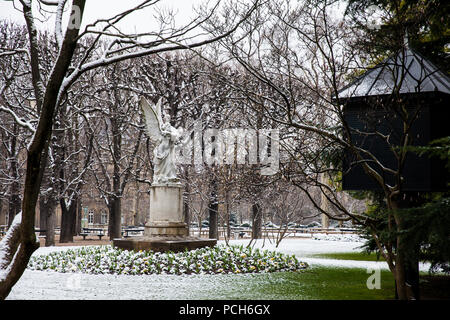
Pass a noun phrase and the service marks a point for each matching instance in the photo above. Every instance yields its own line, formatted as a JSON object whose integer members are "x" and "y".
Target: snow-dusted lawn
{"x": 302, "y": 247}
{"x": 62, "y": 286}
{"x": 53, "y": 285}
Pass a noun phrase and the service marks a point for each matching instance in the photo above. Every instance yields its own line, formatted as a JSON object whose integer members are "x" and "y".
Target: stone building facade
{"x": 93, "y": 211}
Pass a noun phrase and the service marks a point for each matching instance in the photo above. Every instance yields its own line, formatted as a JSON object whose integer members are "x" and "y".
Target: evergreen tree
{"x": 387, "y": 21}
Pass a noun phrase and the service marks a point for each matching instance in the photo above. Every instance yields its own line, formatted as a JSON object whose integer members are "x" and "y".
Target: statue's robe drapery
{"x": 165, "y": 170}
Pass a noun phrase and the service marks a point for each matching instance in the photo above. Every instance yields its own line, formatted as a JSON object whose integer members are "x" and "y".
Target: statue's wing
{"x": 158, "y": 111}
{"x": 152, "y": 119}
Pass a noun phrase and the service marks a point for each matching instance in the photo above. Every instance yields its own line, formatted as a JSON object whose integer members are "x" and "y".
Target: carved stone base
{"x": 166, "y": 212}
{"x": 163, "y": 244}
{"x": 165, "y": 229}
{"x": 169, "y": 229}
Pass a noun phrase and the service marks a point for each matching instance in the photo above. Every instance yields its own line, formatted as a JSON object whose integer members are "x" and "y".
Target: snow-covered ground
{"x": 338, "y": 237}
{"x": 53, "y": 285}
{"x": 305, "y": 248}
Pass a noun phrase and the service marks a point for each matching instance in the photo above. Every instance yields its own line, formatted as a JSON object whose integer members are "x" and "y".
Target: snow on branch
{"x": 26, "y": 124}
{"x": 175, "y": 40}
{"x": 51, "y": 2}
{"x": 58, "y": 22}
{"x": 7, "y": 247}
{"x": 9, "y": 52}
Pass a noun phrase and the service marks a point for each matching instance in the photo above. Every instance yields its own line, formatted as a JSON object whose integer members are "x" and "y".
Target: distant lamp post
{"x": 84, "y": 220}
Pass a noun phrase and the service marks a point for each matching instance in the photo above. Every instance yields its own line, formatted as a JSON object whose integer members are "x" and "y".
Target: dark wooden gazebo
{"x": 373, "y": 115}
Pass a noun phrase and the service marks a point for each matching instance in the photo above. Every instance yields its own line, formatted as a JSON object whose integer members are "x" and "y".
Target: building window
{"x": 104, "y": 218}
{"x": 91, "y": 217}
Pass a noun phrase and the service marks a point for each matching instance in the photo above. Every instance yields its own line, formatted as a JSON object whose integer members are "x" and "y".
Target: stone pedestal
{"x": 165, "y": 229}
{"x": 166, "y": 212}
{"x": 163, "y": 244}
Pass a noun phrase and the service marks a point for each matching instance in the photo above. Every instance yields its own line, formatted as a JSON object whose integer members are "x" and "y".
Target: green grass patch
{"x": 317, "y": 283}
{"x": 358, "y": 256}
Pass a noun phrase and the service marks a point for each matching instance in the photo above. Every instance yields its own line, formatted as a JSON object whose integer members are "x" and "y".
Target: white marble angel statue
{"x": 166, "y": 138}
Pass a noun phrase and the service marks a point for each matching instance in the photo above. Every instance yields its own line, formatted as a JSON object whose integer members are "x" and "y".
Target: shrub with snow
{"x": 219, "y": 259}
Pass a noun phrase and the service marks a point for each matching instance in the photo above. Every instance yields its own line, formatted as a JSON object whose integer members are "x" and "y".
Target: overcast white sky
{"x": 139, "y": 21}
{"x": 99, "y": 9}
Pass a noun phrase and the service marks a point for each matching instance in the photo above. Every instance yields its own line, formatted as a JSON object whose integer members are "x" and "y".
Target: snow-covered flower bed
{"x": 216, "y": 260}
{"x": 338, "y": 237}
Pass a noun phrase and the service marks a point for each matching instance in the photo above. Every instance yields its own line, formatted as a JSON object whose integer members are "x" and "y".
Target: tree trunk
{"x": 14, "y": 201}
{"x": 324, "y": 203}
{"x": 186, "y": 211}
{"x": 227, "y": 212}
{"x": 115, "y": 204}
{"x": 186, "y": 201}
{"x": 38, "y": 148}
{"x": 79, "y": 216}
{"x": 75, "y": 217}
{"x": 406, "y": 272}
{"x": 14, "y": 189}
{"x": 256, "y": 221}
{"x": 412, "y": 274}
{"x": 114, "y": 227}
{"x": 407, "y": 256}
{"x": 17, "y": 253}
{"x": 50, "y": 228}
{"x": 213, "y": 210}
{"x": 42, "y": 216}
{"x": 400, "y": 277}
{"x": 47, "y": 206}
{"x": 68, "y": 220}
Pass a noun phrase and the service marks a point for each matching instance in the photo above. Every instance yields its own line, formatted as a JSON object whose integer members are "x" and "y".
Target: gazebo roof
{"x": 417, "y": 75}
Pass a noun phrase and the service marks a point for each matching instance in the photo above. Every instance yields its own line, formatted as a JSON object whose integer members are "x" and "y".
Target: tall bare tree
{"x": 20, "y": 242}
{"x": 306, "y": 55}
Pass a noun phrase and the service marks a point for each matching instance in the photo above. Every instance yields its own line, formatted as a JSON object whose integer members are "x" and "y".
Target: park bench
{"x": 238, "y": 232}
{"x": 40, "y": 233}
{"x": 99, "y": 232}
